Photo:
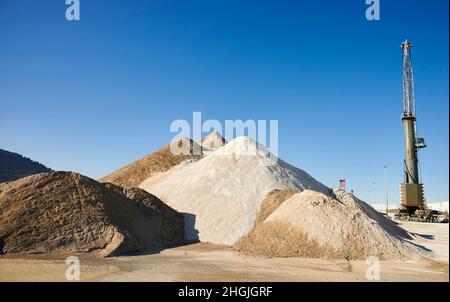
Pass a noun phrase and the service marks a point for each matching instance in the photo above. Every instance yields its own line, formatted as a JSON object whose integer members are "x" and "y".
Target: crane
{"x": 411, "y": 190}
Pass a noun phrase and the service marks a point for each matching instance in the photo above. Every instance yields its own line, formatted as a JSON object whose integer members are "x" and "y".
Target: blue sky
{"x": 95, "y": 94}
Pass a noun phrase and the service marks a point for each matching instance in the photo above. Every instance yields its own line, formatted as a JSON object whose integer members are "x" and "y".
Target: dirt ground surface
{"x": 204, "y": 262}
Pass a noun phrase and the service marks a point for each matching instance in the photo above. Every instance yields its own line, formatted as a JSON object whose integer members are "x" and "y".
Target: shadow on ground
{"x": 190, "y": 237}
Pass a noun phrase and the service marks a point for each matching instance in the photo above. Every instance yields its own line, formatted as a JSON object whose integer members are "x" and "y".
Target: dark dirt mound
{"x": 65, "y": 212}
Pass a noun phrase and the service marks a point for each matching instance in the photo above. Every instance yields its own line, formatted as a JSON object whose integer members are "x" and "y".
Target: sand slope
{"x": 160, "y": 161}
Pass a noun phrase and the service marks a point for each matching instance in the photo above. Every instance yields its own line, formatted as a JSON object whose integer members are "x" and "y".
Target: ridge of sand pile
{"x": 312, "y": 224}
{"x": 212, "y": 141}
{"x": 160, "y": 161}
{"x": 65, "y": 212}
{"x": 222, "y": 193}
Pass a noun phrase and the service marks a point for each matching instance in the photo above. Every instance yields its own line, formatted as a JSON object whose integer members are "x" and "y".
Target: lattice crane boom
{"x": 408, "y": 81}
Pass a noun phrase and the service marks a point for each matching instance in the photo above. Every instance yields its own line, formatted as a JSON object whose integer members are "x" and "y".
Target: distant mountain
{"x": 14, "y": 166}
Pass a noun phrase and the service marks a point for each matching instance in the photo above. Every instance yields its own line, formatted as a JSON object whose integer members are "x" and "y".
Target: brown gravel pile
{"x": 65, "y": 212}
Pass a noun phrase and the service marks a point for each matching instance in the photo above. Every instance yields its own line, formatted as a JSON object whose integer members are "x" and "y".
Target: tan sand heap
{"x": 312, "y": 224}
{"x": 64, "y": 212}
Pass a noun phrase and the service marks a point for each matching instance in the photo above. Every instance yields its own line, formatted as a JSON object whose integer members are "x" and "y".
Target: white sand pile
{"x": 312, "y": 224}
{"x": 222, "y": 193}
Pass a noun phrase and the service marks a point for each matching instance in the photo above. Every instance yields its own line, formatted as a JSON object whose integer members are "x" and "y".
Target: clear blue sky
{"x": 93, "y": 95}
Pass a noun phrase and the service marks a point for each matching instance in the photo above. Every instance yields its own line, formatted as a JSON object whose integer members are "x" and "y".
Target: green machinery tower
{"x": 411, "y": 190}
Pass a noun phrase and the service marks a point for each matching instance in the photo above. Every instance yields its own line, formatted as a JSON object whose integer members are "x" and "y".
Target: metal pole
{"x": 385, "y": 190}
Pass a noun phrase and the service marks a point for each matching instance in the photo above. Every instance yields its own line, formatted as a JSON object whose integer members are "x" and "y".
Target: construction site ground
{"x": 205, "y": 262}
